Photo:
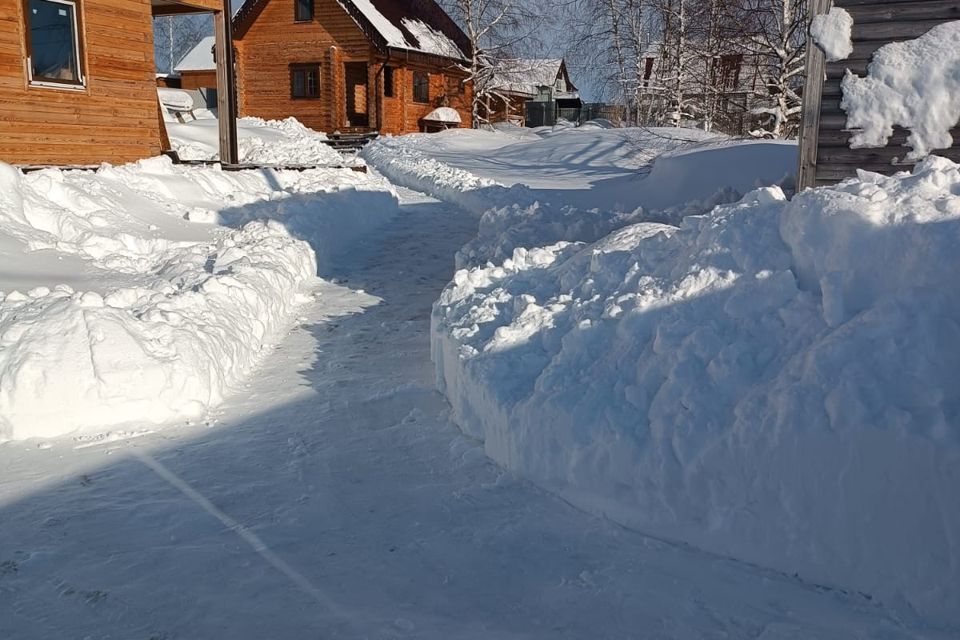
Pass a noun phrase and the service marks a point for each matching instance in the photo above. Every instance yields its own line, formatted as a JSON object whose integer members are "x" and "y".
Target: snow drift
{"x": 174, "y": 312}
{"x": 682, "y": 181}
{"x": 774, "y": 381}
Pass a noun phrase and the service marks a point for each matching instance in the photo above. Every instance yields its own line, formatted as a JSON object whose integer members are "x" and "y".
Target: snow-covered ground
{"x": 334, "y": 498}
{"x": 144, "y": 293}
{"x": 536, "y": 187}
{"x": 284, "y": 142}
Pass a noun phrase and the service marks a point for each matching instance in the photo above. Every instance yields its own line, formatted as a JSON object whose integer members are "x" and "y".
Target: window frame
{"x": 296, "y": 11}
{"x": 305, "y": 68}
{"x": 78, "y": 50}
{"x": 416, "y": 75}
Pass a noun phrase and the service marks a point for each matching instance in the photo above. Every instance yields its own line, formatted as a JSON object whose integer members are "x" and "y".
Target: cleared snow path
{"x": 336, "y": 500}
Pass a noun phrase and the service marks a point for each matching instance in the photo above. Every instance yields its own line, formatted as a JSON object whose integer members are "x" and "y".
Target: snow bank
{"x": 914, "y": 84}
{"x": 832, "y": 33}
{"x": 176, "y": 312}
{"x": 259, "y": 141}
{"x": 774, "y": 381}
{"x": 680, "y": 183}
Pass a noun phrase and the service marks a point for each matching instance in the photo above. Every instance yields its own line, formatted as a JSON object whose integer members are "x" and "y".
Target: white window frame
{"x": 81, "y": 84}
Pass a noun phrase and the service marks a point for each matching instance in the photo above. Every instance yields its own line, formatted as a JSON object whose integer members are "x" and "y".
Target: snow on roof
{"x": 524, "y": 76}
{"x": 200, "y": 58}
{"x": 413, "y": 25}
{"x": 443, "y": 114}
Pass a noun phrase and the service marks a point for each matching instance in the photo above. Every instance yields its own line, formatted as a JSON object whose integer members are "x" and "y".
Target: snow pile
{"x": 774, "y": 381}
{"x": 175, "y": 98}
{"x": 519, "y": 216}
{"x": 173, "y": 313}
{"x": 443, "y": 114}
{"x": 259, "y": 142}
{"x": 914, "y": 84}
{"x": 832, "y": 32}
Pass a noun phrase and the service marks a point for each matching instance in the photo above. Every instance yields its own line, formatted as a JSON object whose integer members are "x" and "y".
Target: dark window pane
{"x": 312, "y": 88}
{"x": 53, "y": 41}
{"x": 388, "y": 82}
{"x": 299, "y": 83}
{"x": 421, "y": 87}
{"x": 304, "y": 10}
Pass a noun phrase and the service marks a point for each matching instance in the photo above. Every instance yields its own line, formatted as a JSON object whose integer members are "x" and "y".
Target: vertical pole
{"x": 812, "y": 96}
{"x": 226, "y": 85}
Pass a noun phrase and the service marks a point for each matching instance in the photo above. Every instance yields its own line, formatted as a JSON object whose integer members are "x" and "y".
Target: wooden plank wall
{"x": 113, "y": 119}
{"x": 274, "y": 41}
{"x": 876, "y": 23}
{"x": 198, "y": 79}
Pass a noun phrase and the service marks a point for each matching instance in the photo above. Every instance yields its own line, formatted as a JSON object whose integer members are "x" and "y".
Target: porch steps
{"x": 350, "y": 141}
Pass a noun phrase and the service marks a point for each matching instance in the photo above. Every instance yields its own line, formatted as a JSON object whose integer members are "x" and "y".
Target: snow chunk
{"x": 915, "y": 84}
{"x": 831, "y": 31}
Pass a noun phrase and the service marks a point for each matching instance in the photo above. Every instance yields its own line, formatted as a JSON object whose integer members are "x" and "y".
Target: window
{"x": 421, "y": 87}
{"x": 53, "y": 42}
{"x": 454, "y": 86}
{"x": 302, "y": 10}
{"x": 388, "y": 82}
{"x": 730, "y": 71}
{"x": 305, "y": 81}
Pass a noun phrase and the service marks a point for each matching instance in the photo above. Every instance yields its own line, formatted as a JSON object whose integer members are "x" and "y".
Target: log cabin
{"x": 353, "y": 66}
{"x": 78, "y": 83}
{"x": 516, "y": 82}
{"x": 825, "y": 153}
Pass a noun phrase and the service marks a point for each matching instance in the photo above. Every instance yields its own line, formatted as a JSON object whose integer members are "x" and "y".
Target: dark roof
{"x": 413, "y": 25}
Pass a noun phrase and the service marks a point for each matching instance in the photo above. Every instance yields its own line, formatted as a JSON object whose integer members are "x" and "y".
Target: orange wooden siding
{"x": 274, "y": 41}
{"x": 113, "y": 118}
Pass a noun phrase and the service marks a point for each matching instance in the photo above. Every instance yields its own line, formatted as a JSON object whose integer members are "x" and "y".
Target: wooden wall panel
{"x": 113, "y": 119}
{"x": 825, "y": 154}
{"x": 198, "y": 79}
{"x": 274, "y": 41}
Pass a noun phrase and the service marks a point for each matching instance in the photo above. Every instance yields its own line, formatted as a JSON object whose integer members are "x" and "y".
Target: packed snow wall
{"x": 773, "y": 381}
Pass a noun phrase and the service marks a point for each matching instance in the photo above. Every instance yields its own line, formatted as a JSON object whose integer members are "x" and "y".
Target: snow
{"x": 832, "y": 33}
{"x": 259, "y": 141}
{"x": 914, "y": 84}
{"x": 430, "y": 40}
{"x": 200, "y": 58}
{"x": 175, "y": 98}
{"x": 525, "y": 76}
{"x": 771, "y": 381}
{"x": 390, "y": 32}
{"x": 581, "y": 183}
{"x": 335, "y": 494}
{"x": 179, "y": 279}
{"x": 443, "y": 114}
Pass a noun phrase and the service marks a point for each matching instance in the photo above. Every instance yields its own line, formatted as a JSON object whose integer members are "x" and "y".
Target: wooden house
{"x": 198, "y": 68}
{"x": 516, "y": 82}
{"x": 825, "y": 153}
{"x": 78, "y": 84}
{"x": 391, "y": 66}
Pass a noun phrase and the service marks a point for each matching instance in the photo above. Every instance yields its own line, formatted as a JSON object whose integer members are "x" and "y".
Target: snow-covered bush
{"x": 774, "y": 381}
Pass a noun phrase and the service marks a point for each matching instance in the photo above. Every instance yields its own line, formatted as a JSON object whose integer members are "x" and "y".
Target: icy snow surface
{"x": 774, "y": 380}
{"x": 163, "y": 284}
{"x": 914, "y": 84}
{"x": 576, "y": 183}
{"x": 831, "y": 31}
{"x": 282, "y": 142}
{"x": 333, "y": 498}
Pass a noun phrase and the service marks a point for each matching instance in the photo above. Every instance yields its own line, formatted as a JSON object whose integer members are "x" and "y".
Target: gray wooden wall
{"x": 825, "y": 157}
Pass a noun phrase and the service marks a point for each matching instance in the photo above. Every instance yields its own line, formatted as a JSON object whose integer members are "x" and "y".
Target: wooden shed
{"x": 353, "y": 66}
{"x": 825, "y": 154}
{"x": 78, "y": 83}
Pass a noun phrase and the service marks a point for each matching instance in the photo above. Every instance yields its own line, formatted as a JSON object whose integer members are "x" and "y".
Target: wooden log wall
{"x": 274, "y": 41}
{"x": 826, "y": 157}
{"x": 113, "y": 118}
